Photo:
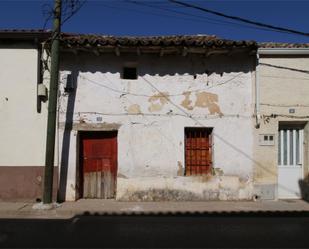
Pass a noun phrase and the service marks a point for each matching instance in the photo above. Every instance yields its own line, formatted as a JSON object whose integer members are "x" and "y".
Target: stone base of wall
{"x": 24, "y": 182}
{"x": 199, "y": 188}
{"x": 265, "y": 191}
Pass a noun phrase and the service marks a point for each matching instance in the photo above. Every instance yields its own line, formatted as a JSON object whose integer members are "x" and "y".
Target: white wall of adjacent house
{"x": 211, "y": 92}
{"x": 22, "y": 129}
{"x": 284, "y": 109}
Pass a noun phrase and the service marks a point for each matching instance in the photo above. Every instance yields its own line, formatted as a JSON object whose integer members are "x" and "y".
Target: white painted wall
{"x": 22, "y": 129}
{"x": 283, "y": 85}
{"x": 151, "y": 133}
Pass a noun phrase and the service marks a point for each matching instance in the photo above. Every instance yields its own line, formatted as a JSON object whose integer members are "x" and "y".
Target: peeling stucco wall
{"x": 196, "y": 188}
{"x": 171, "y": 93}
{"x": 204, "y": 100}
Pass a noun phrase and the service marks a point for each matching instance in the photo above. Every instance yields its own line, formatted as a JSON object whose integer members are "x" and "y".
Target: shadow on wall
{"x": 161, "y": 66}
{"x": 66, "y": 139}
{"x": 304, "y": 188}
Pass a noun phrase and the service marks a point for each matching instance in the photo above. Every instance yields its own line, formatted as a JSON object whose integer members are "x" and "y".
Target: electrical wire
{"x": 73, "y": 12}
{"x": 47, "y": 12}
{"x": 154, "y": 14}
{"x": 149, "y": 96}
{"x": 240, "y": 19}
{"x": 198, "y": 116}
{"x": 283, "y": 105}
{"x": 275, "y": 115}
{"x": 199, "y": 18}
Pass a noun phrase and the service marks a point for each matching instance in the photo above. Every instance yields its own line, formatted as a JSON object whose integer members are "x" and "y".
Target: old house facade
{"x": 175, "y": 113}
{"x": 153, "y": 118}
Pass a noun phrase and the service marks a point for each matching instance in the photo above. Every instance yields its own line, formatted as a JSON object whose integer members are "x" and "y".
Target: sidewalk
{"x": 108, "y": 207}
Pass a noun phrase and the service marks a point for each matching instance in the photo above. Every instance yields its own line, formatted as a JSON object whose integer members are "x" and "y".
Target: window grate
{"x": 198, "y": 151}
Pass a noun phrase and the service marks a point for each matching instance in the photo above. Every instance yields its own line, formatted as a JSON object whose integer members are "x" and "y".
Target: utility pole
{"x": 52, "y": 106}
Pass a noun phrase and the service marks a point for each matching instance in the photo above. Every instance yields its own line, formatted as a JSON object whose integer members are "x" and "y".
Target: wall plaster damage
{"x": 151, "y": 118}
{"x": 175, "y": 88}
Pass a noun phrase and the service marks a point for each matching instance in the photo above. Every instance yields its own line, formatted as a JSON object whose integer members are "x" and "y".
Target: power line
{"x": 69, "y": 9}
{"x": 200, "y": 18}
{"x": 149, "y": 13}
{"x": 240, "y": 19}
{"x": 76, "y": 5}
{"x": 47, "y": 12}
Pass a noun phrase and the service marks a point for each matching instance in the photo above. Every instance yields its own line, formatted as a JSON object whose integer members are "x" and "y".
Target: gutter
{"x": 283, "y": 51}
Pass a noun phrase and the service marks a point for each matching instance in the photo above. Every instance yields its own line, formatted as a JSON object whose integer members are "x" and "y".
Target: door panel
{"x": 290, "y": 162}
{"x": 99, "y": 164}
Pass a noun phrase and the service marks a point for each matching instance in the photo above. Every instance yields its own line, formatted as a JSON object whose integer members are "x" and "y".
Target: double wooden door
{"x": 99, "y": 164}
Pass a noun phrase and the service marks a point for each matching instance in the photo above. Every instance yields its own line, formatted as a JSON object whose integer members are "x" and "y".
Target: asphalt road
{"x": 238, "y": 230}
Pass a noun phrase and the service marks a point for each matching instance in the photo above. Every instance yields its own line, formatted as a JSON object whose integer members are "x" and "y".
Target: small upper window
{"x": 129, "y": 73}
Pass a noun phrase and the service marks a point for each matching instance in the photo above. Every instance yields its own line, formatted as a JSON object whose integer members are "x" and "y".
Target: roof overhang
{"x": 36, "y": 36}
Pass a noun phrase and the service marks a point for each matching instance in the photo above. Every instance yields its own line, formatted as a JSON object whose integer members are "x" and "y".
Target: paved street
{"x": 108, "y": 223}
{"x": 244, "y": 230}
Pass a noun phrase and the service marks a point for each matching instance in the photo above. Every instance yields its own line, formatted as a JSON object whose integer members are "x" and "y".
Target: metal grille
{"x": 198, "y": 151}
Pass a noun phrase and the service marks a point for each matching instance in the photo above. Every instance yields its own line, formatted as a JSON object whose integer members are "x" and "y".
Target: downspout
{"x": 39, "y": 77}
{"x": 257, "y": 93}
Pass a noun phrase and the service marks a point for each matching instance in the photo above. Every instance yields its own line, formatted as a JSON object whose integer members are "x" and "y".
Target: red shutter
{"x": 198, "y": 151}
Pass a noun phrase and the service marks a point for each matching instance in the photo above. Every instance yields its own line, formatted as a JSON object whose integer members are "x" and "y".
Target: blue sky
{"x": 120, "y": 17}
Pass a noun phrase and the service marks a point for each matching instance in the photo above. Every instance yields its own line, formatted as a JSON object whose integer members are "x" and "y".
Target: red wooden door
{"x": 99, "y": 164}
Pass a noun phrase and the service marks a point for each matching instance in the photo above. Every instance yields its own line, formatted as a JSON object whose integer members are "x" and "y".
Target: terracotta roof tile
{"x": 92, "y": 40}
{"x": 282, "y": 45}
{"x": 164, "y": 41}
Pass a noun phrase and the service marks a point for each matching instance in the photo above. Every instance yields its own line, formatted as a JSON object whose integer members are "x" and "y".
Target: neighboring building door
{"x": 290, "y": 162}
{"x": 99, "y": 164}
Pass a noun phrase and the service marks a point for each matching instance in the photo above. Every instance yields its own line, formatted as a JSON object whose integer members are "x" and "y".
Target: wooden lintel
{"x": 117, "y": 51}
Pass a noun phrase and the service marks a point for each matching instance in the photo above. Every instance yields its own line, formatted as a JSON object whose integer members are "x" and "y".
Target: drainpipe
{"x": 257, "y": 93}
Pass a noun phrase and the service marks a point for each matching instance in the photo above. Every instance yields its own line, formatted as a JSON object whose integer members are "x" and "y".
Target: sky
{"x": 124, "y": 18}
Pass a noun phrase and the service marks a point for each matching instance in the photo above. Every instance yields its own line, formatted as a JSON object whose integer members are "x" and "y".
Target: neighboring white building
{"x": 154, "y": 118}
{"x": 23, "y": 115}
{"x": 283, "y": 108}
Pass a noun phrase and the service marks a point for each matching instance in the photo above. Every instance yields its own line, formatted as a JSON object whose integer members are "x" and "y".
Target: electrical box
{"x": 42, "y": 90}
{"x": 267, "y": 139}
